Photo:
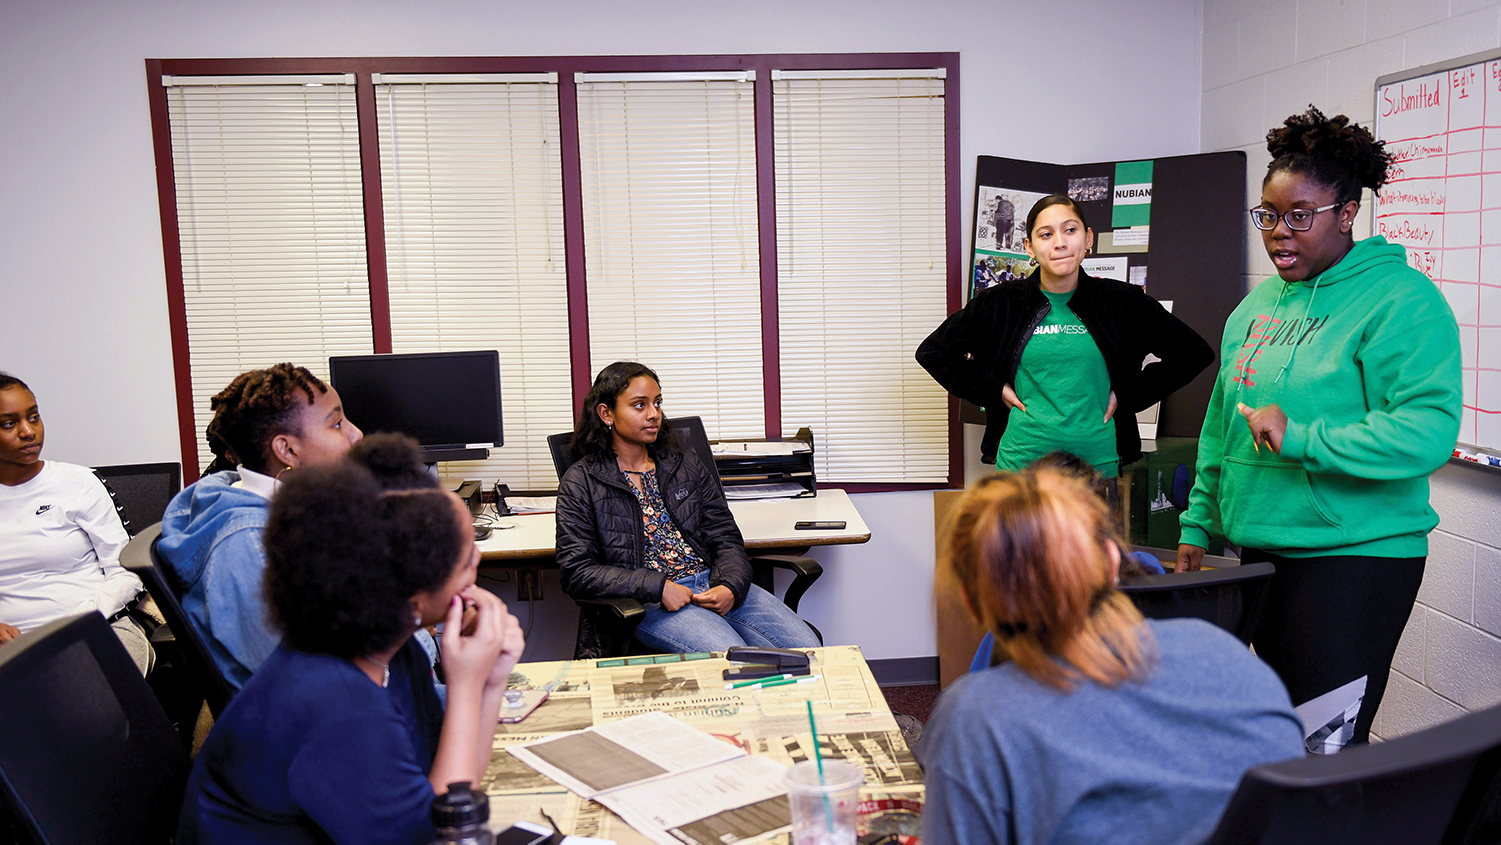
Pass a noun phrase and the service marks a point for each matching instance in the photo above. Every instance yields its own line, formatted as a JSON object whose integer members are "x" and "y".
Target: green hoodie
{"x": 1364, "y": 360}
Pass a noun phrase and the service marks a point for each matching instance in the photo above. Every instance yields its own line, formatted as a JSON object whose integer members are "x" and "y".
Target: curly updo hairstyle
{"x": 253, "y": 409}
{"x": 591, "y": 436}
{"x": 1331, "y": 151}
{"x": 347, "y": 545}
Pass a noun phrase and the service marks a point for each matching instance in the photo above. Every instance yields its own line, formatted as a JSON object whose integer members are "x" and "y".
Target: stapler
{"x": 764, "y": 662}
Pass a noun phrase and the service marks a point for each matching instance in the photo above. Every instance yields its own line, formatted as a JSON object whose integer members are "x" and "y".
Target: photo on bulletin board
{"x": 1001, "y": 219}
{"x": 1000, "y": 224}
{"x": 993, "y": 268}
{"x": 1089, "y": 189}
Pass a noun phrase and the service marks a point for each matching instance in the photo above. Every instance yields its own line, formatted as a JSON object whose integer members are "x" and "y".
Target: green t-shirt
{"x": 1064, "y": 384}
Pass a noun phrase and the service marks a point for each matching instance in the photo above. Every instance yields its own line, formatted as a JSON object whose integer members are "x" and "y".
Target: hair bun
{"x": 1342, "y": 154}
{"x": 395, "y": 460}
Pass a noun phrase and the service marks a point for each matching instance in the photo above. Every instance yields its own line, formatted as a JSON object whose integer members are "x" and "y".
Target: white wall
{"x": 1262, "y": 62}
{"x": 81, "y": 269}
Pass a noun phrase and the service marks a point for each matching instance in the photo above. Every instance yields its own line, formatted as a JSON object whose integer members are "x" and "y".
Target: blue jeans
{"x": 761, "y": 620}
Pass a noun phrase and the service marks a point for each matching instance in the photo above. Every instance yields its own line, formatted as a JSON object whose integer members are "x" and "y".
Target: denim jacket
{"x": 211, "y": 537}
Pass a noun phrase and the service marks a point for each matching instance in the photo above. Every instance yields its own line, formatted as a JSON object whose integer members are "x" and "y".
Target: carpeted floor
{"x": 916, "y": 702}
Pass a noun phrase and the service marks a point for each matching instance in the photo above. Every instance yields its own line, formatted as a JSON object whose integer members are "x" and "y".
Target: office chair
{"x": 1436, "y": 785}
{"x": 86, "y": 753}
{"x": 614, "y": 619}
{"x": 1231, "y": 598}
{"x": 140, "y": 557}
{"x": 141, "y": 491}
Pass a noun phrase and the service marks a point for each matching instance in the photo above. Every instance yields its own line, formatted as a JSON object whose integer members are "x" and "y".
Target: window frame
{"x": 573, "y": 222}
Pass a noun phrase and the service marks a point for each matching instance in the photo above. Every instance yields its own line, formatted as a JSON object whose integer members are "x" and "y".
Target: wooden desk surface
{"x": 853, "y": 722}
{"x": 766, "y": 525}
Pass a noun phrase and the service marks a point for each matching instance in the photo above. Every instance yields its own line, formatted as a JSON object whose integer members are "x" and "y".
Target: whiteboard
{"x": 1442, "y": 125}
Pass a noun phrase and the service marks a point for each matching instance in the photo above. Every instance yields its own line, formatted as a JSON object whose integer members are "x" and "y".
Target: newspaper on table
{"x": 854, "y": 724}
{"x": 741, "y": 800}
{"x": 669, "y": 780}
{"x": 632, "y": 751}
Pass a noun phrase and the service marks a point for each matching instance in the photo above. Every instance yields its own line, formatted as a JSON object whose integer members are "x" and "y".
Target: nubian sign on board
{"x": 1132, "y": 200}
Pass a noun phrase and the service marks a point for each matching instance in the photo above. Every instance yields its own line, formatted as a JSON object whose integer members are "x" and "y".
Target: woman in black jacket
{"x": 640, "y": 519}
{"x": 1053, "y": 357}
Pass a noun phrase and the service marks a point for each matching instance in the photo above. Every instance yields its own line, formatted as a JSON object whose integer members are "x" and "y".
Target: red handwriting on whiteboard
{"x": 1423, "y": 261}
{"x": 1416, "y": 149}
{"x": 1496, "y": 74}
{"x": 1406, "y": 232}
{"x": 1397, "y": 99}
{"x": 1462, "y": 79}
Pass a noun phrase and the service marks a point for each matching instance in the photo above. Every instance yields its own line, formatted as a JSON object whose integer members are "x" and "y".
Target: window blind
{"x": 270, "y": 216}
{"x": 670, "y": 239}
{"x": 471, "y": 179}
{"x": 861, "y": 252}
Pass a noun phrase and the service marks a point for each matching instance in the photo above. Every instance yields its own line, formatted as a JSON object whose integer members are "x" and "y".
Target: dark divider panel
{"x": 1194, "y": 256}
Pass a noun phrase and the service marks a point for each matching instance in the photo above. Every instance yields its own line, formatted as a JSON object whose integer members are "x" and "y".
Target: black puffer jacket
{"x": 601, "y": 541}
{"x": 978, "y": 348}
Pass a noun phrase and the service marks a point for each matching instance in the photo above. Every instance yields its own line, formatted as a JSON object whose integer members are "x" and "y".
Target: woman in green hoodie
{"x": 1338, "y": 394}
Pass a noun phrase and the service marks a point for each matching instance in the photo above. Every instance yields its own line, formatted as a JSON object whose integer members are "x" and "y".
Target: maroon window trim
{"x": 573, "y": 238}
{"x": 375, "y": 214}
{"x": 766, "y": 221}
{"x": 573, "y": 222}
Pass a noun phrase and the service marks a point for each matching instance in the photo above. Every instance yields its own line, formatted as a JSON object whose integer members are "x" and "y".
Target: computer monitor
{"x": 449, "y": 402}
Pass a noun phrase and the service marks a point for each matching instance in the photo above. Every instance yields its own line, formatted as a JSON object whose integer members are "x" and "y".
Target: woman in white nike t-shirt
{"x": 60, "y": 535}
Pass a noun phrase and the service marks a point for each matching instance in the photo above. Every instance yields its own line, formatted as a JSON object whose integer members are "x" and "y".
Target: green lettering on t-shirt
{"x": 1065, "y": 387}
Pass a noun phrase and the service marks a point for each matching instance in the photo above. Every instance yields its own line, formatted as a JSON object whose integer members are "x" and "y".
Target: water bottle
{"x": 461, "y": 816}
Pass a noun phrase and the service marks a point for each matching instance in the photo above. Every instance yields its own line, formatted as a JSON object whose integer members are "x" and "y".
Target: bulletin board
{"x": 1442, "y": 125}
{"x": 1175, "y": 225}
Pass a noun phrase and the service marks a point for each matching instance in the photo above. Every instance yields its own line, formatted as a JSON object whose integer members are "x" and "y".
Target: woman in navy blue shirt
{"x": 339, "y": 736}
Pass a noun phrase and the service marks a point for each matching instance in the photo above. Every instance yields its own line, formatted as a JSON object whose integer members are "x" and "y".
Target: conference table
{"x": 853, "y": 722}
{"x": 766, "y": 524}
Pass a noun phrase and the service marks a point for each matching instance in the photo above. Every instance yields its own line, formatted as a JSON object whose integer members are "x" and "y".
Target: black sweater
{"x": 977, "y": 350}
{"x": 601, "y": 542}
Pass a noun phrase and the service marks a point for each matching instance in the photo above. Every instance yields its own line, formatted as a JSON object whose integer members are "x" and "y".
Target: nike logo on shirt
{"x": 43, "y": 509}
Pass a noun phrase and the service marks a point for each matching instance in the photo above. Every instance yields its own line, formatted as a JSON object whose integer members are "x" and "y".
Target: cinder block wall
{"x": 1262, "y": 62}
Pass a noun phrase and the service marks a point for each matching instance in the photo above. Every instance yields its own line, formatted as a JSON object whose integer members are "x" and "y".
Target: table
{"x": 765, "y": 524}
{"x": 853, "y": 723}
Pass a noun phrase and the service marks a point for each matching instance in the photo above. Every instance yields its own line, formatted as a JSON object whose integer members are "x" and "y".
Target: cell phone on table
{"x": 520, "y": 836}
{"x": 819, "y": 525}
{"x": 512, "y": 712}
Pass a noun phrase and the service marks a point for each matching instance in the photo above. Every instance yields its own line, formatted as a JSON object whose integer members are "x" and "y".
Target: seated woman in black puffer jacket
{"x": 640, "y": 519}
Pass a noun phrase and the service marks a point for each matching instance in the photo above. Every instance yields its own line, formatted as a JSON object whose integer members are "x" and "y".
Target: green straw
{"x": 828, "y": 809}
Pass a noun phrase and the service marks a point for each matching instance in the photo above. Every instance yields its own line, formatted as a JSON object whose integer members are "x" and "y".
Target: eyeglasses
{"x": 1297, "y": 219}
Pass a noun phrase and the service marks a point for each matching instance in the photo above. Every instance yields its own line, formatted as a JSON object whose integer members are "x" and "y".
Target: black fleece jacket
{"x": 601, "y": 542}
{"x": 977, "y": 350}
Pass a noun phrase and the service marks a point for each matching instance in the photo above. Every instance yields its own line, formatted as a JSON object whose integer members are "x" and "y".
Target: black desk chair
{"x": 161, "y": 582}
{"x": 1231, "y": 597}
{"x": 614, "y": 620}
{"x": 1437, "y": 785}
{"x": 86, "y": 753}
{"x": 141, "y": 491}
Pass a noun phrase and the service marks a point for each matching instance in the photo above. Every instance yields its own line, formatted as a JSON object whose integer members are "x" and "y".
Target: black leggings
{"x": 1331, "y": 620}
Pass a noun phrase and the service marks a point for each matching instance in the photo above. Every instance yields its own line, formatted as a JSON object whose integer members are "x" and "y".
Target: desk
{"x": 853, "y": 722}
{"x": 765, "y": 524}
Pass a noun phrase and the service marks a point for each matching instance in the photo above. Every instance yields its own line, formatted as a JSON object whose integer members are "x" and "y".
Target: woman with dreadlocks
{"x": 267, "y": 423}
